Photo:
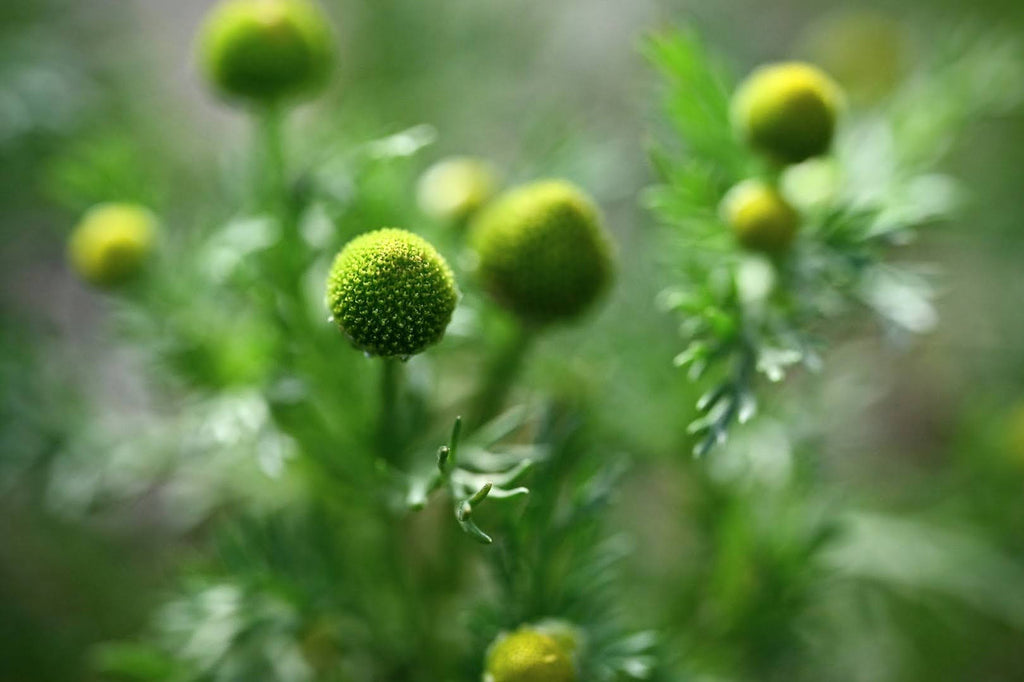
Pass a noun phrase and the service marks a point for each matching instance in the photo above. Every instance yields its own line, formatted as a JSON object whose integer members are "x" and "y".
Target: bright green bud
{"x": 527, "y": 655}
{"x": 543, "y": 252}
{"x": 391, "y": 292}
{"x": 266, "y": 50}
{"x": 760, "y": 217}
{"x": 111, "y": 243}
{"x": 454, "y": 188}
{"x": 787, "y": 111}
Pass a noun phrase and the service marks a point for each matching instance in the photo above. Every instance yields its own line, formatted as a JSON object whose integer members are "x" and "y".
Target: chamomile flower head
{"x": 787, "y": 111}
{"x": 760, "y": 217}
{"x": 111, "y": 243}
{"x": 263, "y": 51}
{"x": 543, "y": 252}
{"x": 391, "y": 292}
{"x": 528, "y": 655}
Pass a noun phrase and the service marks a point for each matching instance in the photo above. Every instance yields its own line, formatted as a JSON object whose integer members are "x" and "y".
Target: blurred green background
{"x": 918, "y": 448}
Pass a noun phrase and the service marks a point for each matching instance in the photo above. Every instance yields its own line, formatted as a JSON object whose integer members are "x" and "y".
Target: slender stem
{"x": 273, "y": 177}
{"x": 388, "y": 430}
{"x": 500, "y": 377}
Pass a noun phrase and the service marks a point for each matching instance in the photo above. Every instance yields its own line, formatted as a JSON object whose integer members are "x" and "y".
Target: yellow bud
{"x": 527, "y": 655}
{"x": 760, "y": 217}
{"x": 787, "y": 111}
{"x": 111, "y": 243}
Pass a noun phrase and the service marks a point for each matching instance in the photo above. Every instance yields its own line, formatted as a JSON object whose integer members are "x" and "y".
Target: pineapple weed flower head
{"x": 787, "y": 111}
{"x": 111, "y": 243}
{"x": 391, "y": 292}
{"x": 760, "y": 217}
{"x": 263, "y": 51}
{"x": 529, "y": 655}
{"x": 543, "y": 252}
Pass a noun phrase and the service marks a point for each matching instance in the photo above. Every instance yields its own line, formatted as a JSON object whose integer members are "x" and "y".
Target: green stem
{"x": 500, "y": 377}
{"x": 388, "y": 430}
{"x": 273, "y": 178}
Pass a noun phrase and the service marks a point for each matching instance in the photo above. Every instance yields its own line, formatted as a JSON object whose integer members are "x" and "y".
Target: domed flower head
{"x": 391, "y": 292}
{"x": 111, "y": 243}
{"x": 760, "y": 217}
{"x": 455, "y": 187}
{"x": 542, "y": 251}
{"x": 787, "y": 111}
{"x": 527, "y": 655}
{"x": 266, "y": 50}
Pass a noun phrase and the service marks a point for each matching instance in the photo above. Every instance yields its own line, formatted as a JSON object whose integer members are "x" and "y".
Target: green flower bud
{"x": 111, "y": 243}
{"x": 787, "y": 111}
{"x": 391, "y": 292}
{"x": 543, "y": 252}
{"x": 760, "y": 217}
{"x": 266, "y": 50}
{"x": 455, "y": 187}
{"x": 527, "y": 655}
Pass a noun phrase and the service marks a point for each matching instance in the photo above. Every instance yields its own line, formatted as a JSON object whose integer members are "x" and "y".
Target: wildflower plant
{"x": 783, "y": 210}
{"x": 342, "y": 411}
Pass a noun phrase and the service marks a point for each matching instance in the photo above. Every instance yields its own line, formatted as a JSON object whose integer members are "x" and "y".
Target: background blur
{"x": 920, "y": 446}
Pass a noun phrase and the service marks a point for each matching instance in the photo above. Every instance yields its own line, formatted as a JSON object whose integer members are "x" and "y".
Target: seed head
{"x": 527, "y": 655}
{"x": 391, "y": 292}
{"x": 787, "y": 111}
{"x": 111, "y": 243}
{"x": 542, "y": 251}
{"x": 760, "y": 217}
{"x": 263, "y": 51}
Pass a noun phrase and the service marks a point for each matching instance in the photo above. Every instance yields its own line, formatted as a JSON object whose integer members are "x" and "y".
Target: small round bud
{"x": 391, "y": 292}
{"x": 455, "y": 187}
{"x": 111, "y": 243}
{"x": 266, "y": 50}
{"x": 760, "y": 217}
{"x": 543, "y": 252}
{"x": 787, "y": 111}
{"x": 527, "y": 655}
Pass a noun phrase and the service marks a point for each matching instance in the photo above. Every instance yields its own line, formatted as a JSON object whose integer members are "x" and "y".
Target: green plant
{"x": 739, "y": 156}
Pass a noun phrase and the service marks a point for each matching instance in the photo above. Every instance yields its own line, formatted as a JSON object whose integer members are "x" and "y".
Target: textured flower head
{"x": 787, "y": 111}
{"x": 391, "y": 292}
{"x": 455, "y": 187}
{"x": 266, "y": 50}
{"x": 543, "y": 252}
{"x": 527, "y": 655}
{"x": 111, "y": 243}
{"x": 760, "y": 217}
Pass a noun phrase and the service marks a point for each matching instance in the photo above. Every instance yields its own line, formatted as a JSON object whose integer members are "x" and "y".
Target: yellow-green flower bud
{"x": 527, "y": 655}
{"x": 266, "y": 50}
{"x": 454, "y": 188}
{"x": 391, "y": 292}
{"x": 787, "y": 111}
{"x": 542, "y": 251}
{"x": 111, "y": 243}
{"x": 760, "y": 217}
